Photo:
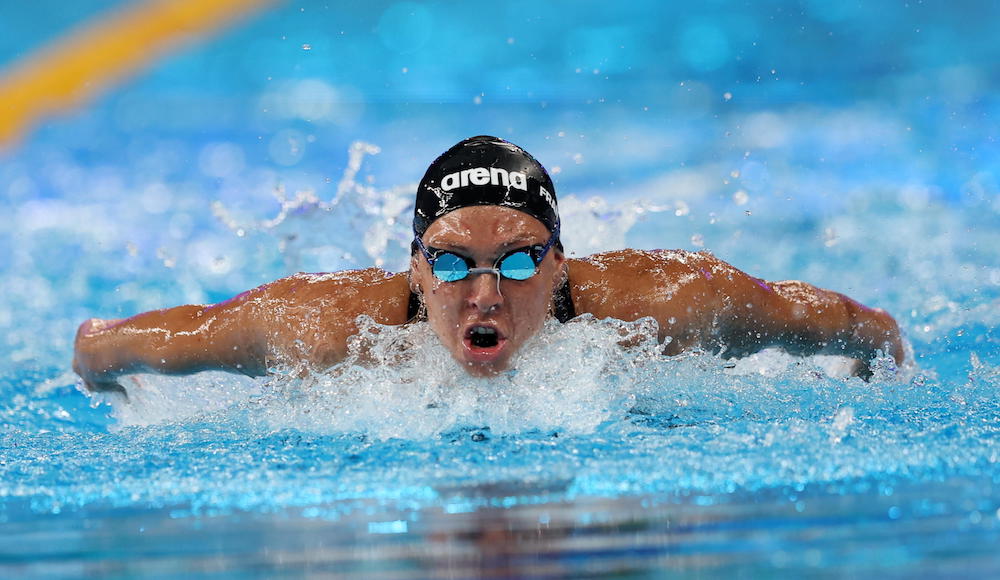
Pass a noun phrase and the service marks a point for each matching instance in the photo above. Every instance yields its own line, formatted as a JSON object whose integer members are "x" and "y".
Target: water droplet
{"x": 830, "y": 237}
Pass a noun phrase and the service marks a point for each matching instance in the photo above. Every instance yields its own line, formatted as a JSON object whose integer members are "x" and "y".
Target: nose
{"x": 485, "y": 292}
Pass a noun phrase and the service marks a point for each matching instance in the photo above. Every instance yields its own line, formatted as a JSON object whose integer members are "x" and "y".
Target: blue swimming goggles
{"x": 517, "y": 264}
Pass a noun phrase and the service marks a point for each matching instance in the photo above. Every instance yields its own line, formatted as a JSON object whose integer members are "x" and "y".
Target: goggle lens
{"x": 450, "y": 267}
{"x": 517, "y": 266}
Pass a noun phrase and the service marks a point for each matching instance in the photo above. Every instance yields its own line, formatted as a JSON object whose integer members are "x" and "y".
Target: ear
{"x": 415, "y": 276}
{"x": 560, "y": 273}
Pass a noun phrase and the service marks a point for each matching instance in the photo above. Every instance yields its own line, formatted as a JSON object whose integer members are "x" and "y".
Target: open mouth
{"x": 483, "y": 337}
{"x": 484, "y": 345}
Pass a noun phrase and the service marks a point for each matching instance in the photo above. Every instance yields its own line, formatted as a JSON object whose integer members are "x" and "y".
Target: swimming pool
{"x": 589, "y": 460}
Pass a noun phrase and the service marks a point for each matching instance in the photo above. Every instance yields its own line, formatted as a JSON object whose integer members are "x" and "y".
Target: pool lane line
{"x": 69, "y": 71}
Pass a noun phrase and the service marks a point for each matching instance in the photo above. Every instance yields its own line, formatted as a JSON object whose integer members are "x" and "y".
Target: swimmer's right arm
{"x": 179, "y": 340}
{"x": 302, "y": 318}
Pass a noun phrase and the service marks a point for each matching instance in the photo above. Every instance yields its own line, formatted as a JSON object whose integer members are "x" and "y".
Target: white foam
{"x": 400, "y": 382}
{"x": 156, "y": 399}
{"x": 565, "y": 379}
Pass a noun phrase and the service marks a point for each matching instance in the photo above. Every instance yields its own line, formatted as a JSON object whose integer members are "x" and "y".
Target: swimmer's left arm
{"x": 803, "y": 320}
{"x": 700, "y": 301}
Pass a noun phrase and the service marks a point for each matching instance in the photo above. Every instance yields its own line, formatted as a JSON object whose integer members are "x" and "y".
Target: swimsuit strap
{"x": 563, "y": 300}
{"x": 413, "y": 307}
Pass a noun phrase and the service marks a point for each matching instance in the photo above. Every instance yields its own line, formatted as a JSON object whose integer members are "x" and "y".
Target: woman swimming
{"x": 486, "y": 269}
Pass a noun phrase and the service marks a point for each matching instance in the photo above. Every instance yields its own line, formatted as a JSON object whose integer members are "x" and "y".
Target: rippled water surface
{"x": 588, "y": 459}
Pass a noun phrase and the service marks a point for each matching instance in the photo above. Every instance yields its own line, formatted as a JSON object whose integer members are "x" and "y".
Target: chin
{"x": 483, "y": 369}
{"x": 484, "y": 358}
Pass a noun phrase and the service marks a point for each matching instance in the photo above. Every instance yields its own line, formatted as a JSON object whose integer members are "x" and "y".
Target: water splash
{"x": 309, "y": 230}
{"x": 574, "y": 378}
{"x": 400, "y": 382}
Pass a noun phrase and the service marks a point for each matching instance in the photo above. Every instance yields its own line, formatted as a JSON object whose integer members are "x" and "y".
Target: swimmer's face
{"x": 480, "y": 322}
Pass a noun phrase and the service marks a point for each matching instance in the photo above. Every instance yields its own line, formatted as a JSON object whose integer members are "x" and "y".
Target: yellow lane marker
{"x": 75, "y": 68}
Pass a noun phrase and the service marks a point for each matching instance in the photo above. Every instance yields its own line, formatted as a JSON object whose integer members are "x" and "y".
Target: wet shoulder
{"x": 362, "y": 278}
{"x": 646, "y": 263}
{"x": 635, "y": 283}
{"x": 380, "y": 294}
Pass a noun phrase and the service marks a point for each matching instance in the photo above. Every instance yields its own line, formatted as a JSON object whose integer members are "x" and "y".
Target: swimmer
{"x": 487, "y": 268}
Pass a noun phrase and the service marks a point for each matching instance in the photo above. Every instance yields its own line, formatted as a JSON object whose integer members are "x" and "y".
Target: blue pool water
{"x": 857, "y": 150}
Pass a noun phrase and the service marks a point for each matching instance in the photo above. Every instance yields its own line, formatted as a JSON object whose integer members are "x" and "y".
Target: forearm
{"x": 871, "y": 330}
{"x": 811, "y": 320}
{"x": 177, "y": 340}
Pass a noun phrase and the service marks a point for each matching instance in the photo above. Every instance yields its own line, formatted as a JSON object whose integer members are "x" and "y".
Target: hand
{"x": 862, "y": 369}
{"x": 104, "y": 387}
{"x": 94, "y": 378}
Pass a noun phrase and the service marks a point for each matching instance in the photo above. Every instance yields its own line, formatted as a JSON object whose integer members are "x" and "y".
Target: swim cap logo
{"x": 548, "y": 197}
{"x": 484, "y": 176}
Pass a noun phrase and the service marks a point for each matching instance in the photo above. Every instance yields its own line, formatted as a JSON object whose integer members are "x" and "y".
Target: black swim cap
{"x": 485, "y": 170}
